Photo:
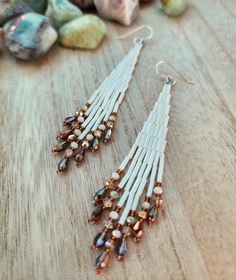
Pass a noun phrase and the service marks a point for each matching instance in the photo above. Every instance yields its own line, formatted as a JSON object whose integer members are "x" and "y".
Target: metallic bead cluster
{"x": 70, "y": 143}
{"x": 113, "y": 236}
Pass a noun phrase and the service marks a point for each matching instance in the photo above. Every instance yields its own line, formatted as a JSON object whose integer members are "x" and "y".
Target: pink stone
{"x": 123, "y": 11}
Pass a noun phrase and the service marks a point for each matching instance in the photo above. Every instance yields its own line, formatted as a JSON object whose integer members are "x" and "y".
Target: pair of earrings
{"x": 133, "y": 193}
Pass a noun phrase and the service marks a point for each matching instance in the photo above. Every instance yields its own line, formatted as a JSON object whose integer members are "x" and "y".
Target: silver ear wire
{"x": 146, "y": 38}
{"x": 165, "y": 77}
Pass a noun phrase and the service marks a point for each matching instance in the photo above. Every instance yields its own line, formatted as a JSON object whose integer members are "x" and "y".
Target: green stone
{"x": 38, "y": 6}
{"x": 85, "y": 32}
{"x": 174, "y": 7}
{"x": 61, "y": 12}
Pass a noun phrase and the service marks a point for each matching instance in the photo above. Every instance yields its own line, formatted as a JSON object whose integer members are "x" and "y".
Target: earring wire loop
{"x": 148, "y": 37}
{"x": 171, "y": 66}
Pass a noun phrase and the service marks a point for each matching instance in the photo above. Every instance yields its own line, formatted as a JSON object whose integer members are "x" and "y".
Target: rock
{"x": 29, "y": 36}
{"x": 83, "y": 4}
{"x": 11, "y": 10}
{"x": 174, "y": 7}
{"x": 123, "y": 11}
{"x": 85, "y": 32}
{"x": 62, "y": 11}
{"x": 38, "y": 6}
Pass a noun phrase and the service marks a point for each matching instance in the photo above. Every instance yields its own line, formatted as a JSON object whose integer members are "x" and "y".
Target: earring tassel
{"x": 94, "y": 123}
{"x": 139, "y": 175}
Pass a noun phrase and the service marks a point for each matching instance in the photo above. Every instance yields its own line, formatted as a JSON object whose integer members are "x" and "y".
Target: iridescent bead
{"x": 97, "y": 133}
{"x": 96, "y": 215}
{"x": 74, "y": 145}
{"x": 85, "y": 144}
{"x": 114, "y": 215}
{"x": 110, "y": 124}
{"x": 122, "y": 248}
{"x": 99, "y": 240}
{"x": 99, "y": 195}
{"x": 153, "y": 214}
{"x": 106, "y": 136}
{"x": 65, "y": 133}
{"x": 107, "y": 203}
{"x": 79, "y": 156}
{"x": 109, "y": 244}
{"x": 127, "y": 230}
{"x": 108, "y": 224}
{"x": 138, "y": 235}
{"x": 77, "y": 132}
{"x": 114, "y": 194}
{"x": 137, "y": 226}
{"x": 142, "y": 214}
{"x": 101, "y": 261}
{"x": 69, "y": 153}
{"x": 62, "y": 165}
{"x": 116, "y": 233}
{"x": 94, "y": 145}
{"x": 131, "y": 220}
{"x": 69, "y": 120}
{"x": 59, "y": 147}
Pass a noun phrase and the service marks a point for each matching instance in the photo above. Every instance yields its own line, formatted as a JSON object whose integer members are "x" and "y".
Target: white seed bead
{"x": 115, "y": 176}
{"x": 77, "y": 132}
{"x": 74, "y": 145}
{"x": 146, "y": 205}
{"x": 116, "y": 233}
{"x": 89, "y": 137}
{"x": 85, "y": 108}
{"x": 114, "y": 215}
{"x": 71, "y": 137}
{"x": 80, "y": 119}
{"x": 112, "y": 118}
{"x": 158, "y": 190}
{"x": 102, "y": 127}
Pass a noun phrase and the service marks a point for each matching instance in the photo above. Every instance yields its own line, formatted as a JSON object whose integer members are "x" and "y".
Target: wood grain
{"x": 44, "y": 232}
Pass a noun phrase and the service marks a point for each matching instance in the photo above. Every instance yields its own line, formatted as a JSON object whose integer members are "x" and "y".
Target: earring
{"x": 133, "y": 194}
{"x": 95, "y": 121}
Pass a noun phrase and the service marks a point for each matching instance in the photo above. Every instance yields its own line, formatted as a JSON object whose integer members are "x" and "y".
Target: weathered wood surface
{"x": 44, "y": 232}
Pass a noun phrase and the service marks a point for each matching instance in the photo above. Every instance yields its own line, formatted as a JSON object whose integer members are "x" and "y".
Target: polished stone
{"x": 30, "y": 36}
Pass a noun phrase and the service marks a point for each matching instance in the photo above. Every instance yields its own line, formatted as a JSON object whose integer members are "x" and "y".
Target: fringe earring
{"x": 133, "y": 194}
{"x": 95, "y": 121}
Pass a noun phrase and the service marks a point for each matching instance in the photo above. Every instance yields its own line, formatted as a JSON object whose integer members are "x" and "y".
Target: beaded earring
{"x": 133, "y": 194}
{"x": 95, "y": 121}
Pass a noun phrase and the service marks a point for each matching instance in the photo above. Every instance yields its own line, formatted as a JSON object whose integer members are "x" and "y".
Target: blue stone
{"x": 29, "y": 36}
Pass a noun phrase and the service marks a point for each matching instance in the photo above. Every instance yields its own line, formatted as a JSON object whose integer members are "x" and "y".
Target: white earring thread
{"x": 95, "y": 121}
{"x": 139, "y": 177}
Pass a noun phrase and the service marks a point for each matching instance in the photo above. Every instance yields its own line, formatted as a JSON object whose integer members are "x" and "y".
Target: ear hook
{"x": 149, "y": 28}
{"x": 163, "y": 76}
